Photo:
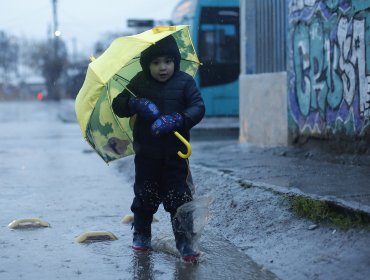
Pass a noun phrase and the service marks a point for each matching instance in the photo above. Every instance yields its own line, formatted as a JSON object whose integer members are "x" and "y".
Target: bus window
{"x": 219, "y": 46}
{"x": 219, "y": 43}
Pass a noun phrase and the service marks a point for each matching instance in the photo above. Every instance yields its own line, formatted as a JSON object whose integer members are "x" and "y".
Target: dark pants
{"x": 166, "y": 181}
{"x": 157, "y": 181}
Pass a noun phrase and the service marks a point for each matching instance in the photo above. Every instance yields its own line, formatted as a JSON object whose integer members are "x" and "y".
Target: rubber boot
{"x": 142, "y": 231}
{"x": 184, "y": 238}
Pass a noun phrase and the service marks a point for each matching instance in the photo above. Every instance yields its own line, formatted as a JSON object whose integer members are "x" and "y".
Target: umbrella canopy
{"x": 108, "y": 75}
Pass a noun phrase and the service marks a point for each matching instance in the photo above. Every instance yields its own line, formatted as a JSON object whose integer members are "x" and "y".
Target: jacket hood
{"x": 165, "y": 47}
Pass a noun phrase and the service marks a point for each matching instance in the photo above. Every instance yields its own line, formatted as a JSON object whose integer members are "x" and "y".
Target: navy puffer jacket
{"x": 179, "y": 94}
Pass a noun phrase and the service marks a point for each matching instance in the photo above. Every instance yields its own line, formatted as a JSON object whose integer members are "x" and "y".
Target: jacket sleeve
{"x": 120, "y": 102}
{"x": 195, "y": 108}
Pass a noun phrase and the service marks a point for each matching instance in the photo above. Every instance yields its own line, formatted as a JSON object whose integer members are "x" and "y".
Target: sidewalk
{"x": 341, "y": 179}
{"x": 247, "y": 183}
{"x": 220, "y": 128}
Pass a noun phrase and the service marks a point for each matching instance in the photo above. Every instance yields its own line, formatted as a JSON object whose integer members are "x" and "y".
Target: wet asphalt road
{"x": 48, "y": 171}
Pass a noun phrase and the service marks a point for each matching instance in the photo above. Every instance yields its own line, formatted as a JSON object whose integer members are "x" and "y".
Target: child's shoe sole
{"x": 141, "y": 249}
{"x": 191, "y": 259}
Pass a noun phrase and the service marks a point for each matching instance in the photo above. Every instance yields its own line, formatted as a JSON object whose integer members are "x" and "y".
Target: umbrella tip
{"x": 159, "y": 29}
{"x": 92, "y": 58}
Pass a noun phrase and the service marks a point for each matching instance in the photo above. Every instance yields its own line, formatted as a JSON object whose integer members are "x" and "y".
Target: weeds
{"x": 327, "y": 212}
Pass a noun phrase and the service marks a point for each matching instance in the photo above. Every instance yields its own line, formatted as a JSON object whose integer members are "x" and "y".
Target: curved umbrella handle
{"x": 186, "y": 143}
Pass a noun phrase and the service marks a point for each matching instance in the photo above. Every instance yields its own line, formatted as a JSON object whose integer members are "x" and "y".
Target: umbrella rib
{"x": 133, "y": 60}
{"x": 124, "y": 87}
{"x": 119, "y": 76}
{"x": 197, "y": 62}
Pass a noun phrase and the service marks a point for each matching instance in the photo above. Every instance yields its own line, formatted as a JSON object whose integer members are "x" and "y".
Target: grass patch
{"x": 326, "y": 212}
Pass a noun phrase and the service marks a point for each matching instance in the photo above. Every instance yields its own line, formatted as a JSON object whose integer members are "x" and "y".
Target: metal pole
{"x": 55, "y": 44}
{"x": 243, "y": 37}
{"x": 55, "y": 23}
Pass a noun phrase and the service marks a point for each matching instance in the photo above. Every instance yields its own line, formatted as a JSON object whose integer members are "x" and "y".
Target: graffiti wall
{"x": 329, "y": 68}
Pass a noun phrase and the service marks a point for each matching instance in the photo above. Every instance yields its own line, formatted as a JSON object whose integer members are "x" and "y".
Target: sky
{"x": 81, "y": 22}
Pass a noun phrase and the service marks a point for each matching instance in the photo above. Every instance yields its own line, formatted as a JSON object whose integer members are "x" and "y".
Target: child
{"x": 167, "y": 99}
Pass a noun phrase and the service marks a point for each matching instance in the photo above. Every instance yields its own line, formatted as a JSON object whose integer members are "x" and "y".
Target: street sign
{"x": 140, "y": 23}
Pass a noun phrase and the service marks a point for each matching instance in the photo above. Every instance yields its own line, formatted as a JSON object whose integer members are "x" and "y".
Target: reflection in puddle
{"x": 143, "y": 267}
{"x": 219, "y": 260}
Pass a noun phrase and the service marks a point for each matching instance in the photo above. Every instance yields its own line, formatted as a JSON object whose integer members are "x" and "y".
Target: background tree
{"x": 49, "y": 58}
{"x": 9, "y": 56}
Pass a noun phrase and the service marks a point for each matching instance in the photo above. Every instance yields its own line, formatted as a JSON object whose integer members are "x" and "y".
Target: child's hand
{"x": 167, "y": 123}
{"x": 145, "y": 108}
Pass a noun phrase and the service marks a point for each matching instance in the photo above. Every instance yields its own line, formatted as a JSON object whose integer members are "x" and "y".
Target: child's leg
{"x": 142, "y": 231}
{"x": 146, "y": 200}
{"x": 184, "y": 234}
{"x": 179, "y": 190}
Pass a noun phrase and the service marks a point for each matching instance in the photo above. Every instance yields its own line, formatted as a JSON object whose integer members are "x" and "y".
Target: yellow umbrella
{"x": 108, "y": 75}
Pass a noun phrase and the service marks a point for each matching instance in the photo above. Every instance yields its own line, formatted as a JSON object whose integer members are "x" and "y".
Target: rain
{"x": 66, "y": 192}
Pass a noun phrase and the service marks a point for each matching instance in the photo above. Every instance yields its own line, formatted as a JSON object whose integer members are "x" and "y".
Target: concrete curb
{"x": 342, "y": 203}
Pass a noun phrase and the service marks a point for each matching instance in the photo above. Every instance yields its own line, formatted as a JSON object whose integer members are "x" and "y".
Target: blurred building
{"x": 32, "y": 88}
{"x": 23, "y": 87}
{"x": 305, "y": 73}
{"x": 263, "y": 72}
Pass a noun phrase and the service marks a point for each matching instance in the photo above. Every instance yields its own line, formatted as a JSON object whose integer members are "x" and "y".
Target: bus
{"x": 215, "y": 33}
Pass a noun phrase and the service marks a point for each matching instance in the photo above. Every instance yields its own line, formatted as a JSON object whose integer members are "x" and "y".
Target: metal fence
{"x": 267, "y": 37}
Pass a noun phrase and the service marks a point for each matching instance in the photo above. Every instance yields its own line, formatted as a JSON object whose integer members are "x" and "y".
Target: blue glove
{"x": 145, "y": 108}
{"x": 167, "y": 123}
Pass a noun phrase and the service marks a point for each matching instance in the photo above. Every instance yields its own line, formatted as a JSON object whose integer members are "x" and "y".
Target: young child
{"x": 167, "y": 99}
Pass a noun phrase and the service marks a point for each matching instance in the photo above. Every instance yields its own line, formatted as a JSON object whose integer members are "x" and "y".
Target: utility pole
{"x": 55, "y": 89}
{"x": 56, "y": 29}
{"x": 55, "y": 16}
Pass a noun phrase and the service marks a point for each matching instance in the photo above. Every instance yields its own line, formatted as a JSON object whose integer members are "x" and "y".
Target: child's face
{"x": 162, "y": 68}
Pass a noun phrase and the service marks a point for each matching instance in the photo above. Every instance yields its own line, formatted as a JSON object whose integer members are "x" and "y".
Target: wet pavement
{"x": 286, "y": 171}
{"x": 48, "y": 171}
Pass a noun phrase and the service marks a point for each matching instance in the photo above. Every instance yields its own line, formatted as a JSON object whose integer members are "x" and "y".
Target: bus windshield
{"x": 219, "y": 45}
{"x": 216, "y": 40}
{"x": 215, "y": 33}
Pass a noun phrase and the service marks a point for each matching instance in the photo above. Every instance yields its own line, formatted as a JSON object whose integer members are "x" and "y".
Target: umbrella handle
{"x": 186, "y": 143}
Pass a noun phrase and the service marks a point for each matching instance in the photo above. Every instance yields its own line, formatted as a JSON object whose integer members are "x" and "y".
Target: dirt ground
{"x": 259, "y": 223}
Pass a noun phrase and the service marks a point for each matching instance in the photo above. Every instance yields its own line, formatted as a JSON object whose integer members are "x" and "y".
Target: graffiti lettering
{"x": 348, "y": 73}
{"x": 302, "y": 66}
{"x": 296, "y": 5}
{"x": 329, "y": 65}
{"x": 358, "y": 59}
{"x": 366, "y": 105}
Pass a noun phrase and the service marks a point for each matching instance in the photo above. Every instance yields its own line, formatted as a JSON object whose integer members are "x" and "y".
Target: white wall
{"x": 263, "y": 112}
